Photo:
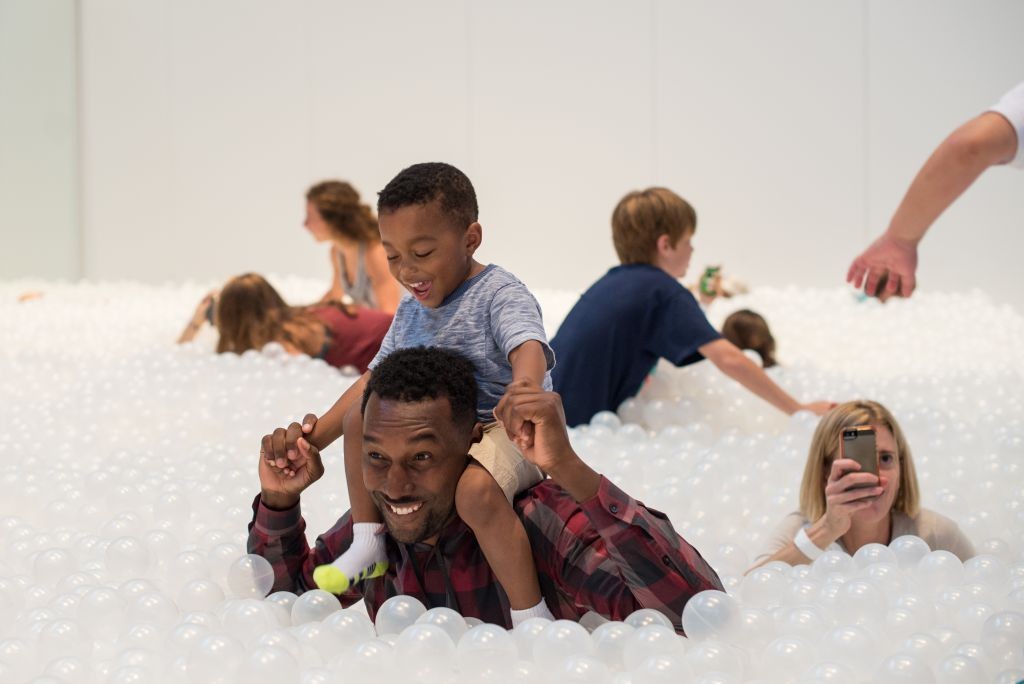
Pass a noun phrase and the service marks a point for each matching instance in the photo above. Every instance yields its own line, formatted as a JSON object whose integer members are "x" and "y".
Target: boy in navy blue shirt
{"x": 638, "y": 312}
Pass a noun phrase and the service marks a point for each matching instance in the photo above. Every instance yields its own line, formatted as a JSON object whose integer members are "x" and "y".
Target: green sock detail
{"x": 330, "y": 578}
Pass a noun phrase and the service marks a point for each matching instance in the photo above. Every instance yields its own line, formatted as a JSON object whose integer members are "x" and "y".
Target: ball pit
{"x": 130, "y": 471}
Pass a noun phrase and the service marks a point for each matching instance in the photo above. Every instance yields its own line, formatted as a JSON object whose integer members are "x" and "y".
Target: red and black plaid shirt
{"x": 610, "y": 555}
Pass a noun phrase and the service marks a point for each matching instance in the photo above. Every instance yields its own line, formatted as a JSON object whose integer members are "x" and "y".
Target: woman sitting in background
{"x": 834, "y": 514}
{"x": 249, "y": 313}
{"x": 748, "y": 330}
{"x": 334, "y": 214}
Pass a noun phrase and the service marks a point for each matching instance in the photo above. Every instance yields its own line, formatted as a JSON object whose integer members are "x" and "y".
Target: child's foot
{"x": 364, "y": 559}
{"x": 330, "y": 578}
{"x": 540, "y": 610}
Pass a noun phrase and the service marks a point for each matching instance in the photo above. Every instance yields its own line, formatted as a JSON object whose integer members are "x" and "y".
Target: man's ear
{"x": 478, "y": 432}
{"x": 474, "y": 236}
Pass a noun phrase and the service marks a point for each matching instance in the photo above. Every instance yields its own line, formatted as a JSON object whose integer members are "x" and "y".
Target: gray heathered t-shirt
{"x": 484, "y": 319}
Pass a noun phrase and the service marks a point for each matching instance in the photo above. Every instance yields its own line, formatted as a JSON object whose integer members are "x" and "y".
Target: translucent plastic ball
{"x": 560, "y": 639}
{"x": 215, "y": 658}
{"x": 352, "y": 626}
{"x": 372, "y": 660}
{"x": 711, "y": 615}
{"x": 990, "y": 572}
{"x": 50, "y": 566}
{"x": 609, "y": 641}
{"x": 487, "y": 646}
{"x": 903, "y": 668}
{"x": 397, "y": 613}
{"x": 153, "y": 608}
{"x": 424, "y": 651}
{"x": 959, "y": 669}
{"x": 650, "y": 641}
{"x": 247, "y": 619}
{"x": 715, "y": 656}
{"x": 850, "y": 645}
{"x": 909, "y": 550}
{"x": 659, "y": 669}
{"x": 526, "y": 634}
{"x": 102, "y": 612}
{"x": 861, "y": 601}
{"x": 447, "y": 619}
{"x": 763, "y": 588}
{"x": 285, "y": 599}
{"x": 785, "y": 655}
{"x": 250, "y": 576}
{"x": 319, "y": 638}
{"x": 314, "y": 606}
{"x": 200, "y": 595}
{"x": 127, "y": 557}
{"x": 1002, "y": 636}
{"x": 938, "y": 570}
{"x": 832, "y": 563}
{"x": 582, "y": 669}
{"x": 647, "y": 616}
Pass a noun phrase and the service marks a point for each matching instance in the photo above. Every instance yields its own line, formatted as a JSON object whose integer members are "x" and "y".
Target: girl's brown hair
{"x": 748, "y": 330}
{"x": 339, "y": 205}
{"x": 825, "y": 449}
{"x": 250, "y": 313}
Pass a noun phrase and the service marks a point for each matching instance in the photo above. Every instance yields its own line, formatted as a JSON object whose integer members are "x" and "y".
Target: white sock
{"x": 540, "y": 610}
{"x": 367, "y": 548}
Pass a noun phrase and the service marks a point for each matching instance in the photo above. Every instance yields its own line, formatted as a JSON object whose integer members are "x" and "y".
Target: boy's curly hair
{"x": 424, "y": 183}
{"x": 418, "y": 373}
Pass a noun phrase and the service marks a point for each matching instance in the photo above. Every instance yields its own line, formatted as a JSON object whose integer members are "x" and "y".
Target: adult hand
{"x": 818, "y": 408}
{"x": 886, "y": 255}
{"x": 280, "y": 487}
{"x": 536, "y": 420}
{"x": 842, "y": 500}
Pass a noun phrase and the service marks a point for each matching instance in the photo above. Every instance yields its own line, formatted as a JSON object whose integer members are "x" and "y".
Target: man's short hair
{"x": 642, "y": 216}
{"x": 419, "y": 373}
{"x": 424, "y": 183}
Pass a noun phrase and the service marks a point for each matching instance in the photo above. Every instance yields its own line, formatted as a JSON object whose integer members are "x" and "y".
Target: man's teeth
{"x": 418, "y": 284}
{"x": 405, "y": 510}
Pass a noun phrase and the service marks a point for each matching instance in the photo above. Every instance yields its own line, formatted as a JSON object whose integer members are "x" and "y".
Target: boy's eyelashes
{"x": 422, "y": 255}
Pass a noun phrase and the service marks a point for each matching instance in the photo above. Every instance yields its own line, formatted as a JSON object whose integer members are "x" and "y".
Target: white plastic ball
{"x": 314, "y": 606}
{"x": 447, "y": 619}
{"x": 397, "y": 613}
{"x": 487, "y": 646}
{"x": 250, "y": 576}
{"x": 711, "y": 615}
{"x": 560, "y": 639}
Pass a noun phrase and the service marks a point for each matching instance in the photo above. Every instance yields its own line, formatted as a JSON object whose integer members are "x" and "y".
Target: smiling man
{"x": 595, "y": 548}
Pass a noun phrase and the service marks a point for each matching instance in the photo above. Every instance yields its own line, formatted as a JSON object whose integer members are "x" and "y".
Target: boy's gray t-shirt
{"x": 484, "y": 319}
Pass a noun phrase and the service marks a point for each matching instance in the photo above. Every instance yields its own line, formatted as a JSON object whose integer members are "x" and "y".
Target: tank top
{"x": 359, "y": 289}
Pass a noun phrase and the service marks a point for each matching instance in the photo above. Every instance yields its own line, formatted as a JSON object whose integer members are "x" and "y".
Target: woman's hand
{"x": 843, "y": 499}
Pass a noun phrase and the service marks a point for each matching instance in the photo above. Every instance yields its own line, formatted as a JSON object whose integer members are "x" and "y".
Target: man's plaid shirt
{"x": 610, "y": 554}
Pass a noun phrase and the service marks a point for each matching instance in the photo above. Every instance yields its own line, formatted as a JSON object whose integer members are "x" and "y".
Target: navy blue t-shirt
{"x": 620, "y": 327}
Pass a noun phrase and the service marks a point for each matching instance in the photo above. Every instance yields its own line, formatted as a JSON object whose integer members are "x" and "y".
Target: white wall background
{"x": 39, "y": 228}
{"x": 793, "y": 126}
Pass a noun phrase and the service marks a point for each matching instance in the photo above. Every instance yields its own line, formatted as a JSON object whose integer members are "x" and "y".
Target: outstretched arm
{"x": 734, "y": 363}
{"x": 199, "y": 317}
{"x": 982, "y": 142}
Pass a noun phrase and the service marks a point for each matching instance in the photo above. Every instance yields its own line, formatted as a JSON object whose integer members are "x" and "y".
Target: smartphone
{"x": 859, "y": 445}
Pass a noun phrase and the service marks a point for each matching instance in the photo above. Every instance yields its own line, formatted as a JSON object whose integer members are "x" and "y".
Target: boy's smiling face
{"x": 427, "y": 253}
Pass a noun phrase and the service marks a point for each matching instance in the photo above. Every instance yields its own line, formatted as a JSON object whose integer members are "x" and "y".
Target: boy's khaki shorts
{"x": 502, "y": 459}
